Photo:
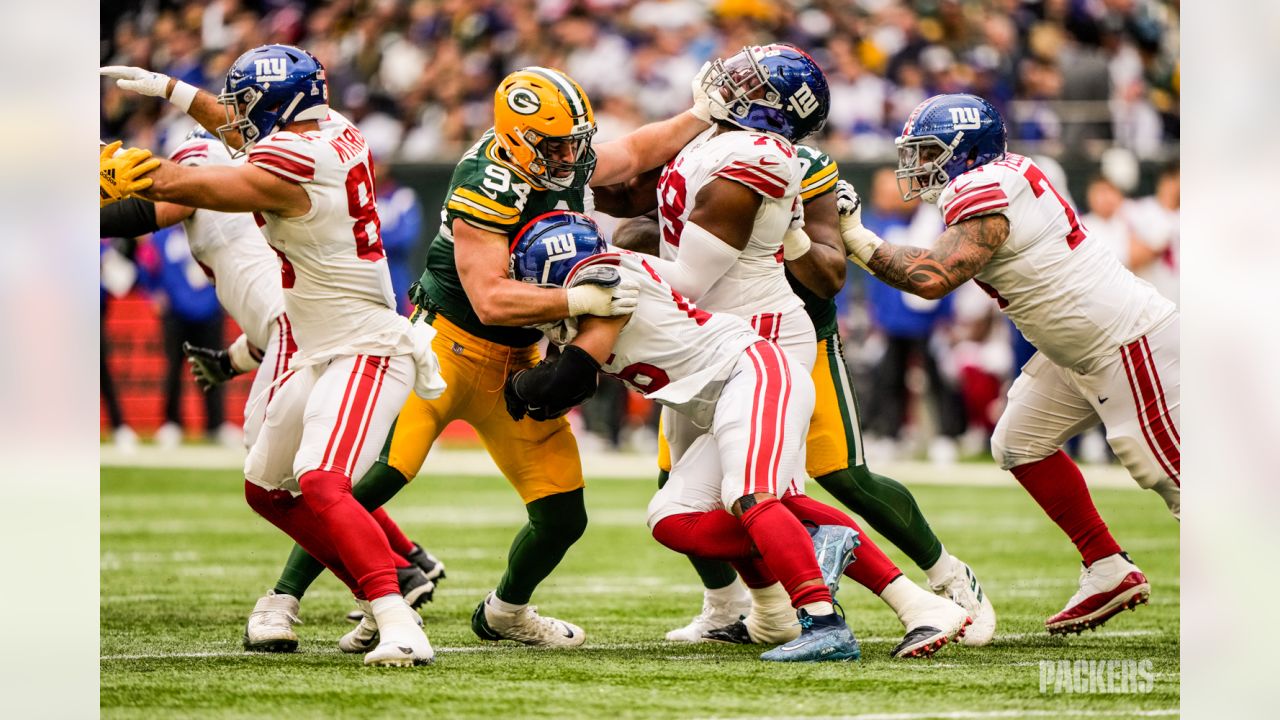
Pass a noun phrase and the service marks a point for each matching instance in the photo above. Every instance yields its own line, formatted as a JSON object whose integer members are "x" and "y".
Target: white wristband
{"x": 795, "y": 244}
{"x": 241, "y": 354}
{"x": 183, "y": 95}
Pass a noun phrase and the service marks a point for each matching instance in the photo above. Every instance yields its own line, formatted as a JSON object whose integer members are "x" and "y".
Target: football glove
{"x": 150, "y": 84}
{"x": 859, "y": 242}
{"x": 703, "y": 108}
{"x": 587, "y": 297}
{"x": 120, "y": 173}
{"x": 211, "y": 367}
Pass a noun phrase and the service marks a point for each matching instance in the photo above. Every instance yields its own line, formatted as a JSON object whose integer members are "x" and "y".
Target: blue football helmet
{"x": 268, "y": 88}
{"x": 550, "y": 246}
{"x": 776, "y": 88}
{"x": 945, "y": 136}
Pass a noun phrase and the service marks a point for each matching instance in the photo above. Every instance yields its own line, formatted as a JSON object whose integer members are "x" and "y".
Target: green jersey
{"x": 487, "y": 194}
{"x": 820, "y": 177}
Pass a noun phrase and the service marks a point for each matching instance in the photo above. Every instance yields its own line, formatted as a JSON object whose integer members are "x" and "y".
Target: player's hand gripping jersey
{"x": 670, "y": 350}
{"x": 232, "y": 251}
{"x": 337, "y": 288}
{"x": 1065, "y": 291}
{"x": 765, "y": 163}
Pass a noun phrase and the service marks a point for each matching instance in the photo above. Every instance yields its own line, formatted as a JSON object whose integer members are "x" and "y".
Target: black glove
{"x": 516, "y": 407}
{"x": 209, "y": 367}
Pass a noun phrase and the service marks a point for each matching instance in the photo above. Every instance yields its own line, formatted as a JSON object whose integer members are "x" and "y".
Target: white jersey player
{"x": 1107, "y": 341}
{"x": 718, "y": 372}
{"x": 309, "y": 181}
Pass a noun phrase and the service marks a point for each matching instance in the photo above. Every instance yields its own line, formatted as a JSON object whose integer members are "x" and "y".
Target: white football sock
{"x": 818, "y": 608}
{"x": 734, "y": 591}
{"x": 940, "y": 572}
{"x": 500, "y": 605}
{"x": 901, "y": 594}
{"x": 391, "y": 613}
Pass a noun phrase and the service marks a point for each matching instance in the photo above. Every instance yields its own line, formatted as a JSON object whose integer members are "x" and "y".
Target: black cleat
{"x": 430, "y": 564}
{"x": 735, "y": 633}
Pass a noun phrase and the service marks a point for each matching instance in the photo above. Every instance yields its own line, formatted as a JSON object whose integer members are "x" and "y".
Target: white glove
{"x": 795, "y": 244}
{"x": 859, "y": 242}
{"x": 588, "y": 299}
{"x": 703, "y": 108}
{"x": 150, "y": 84}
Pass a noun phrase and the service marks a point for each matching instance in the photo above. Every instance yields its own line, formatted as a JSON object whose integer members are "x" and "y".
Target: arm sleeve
{"x": 130, "y": 218}
{"x": 703, "y": 259}
{"x": 557, "y": 386}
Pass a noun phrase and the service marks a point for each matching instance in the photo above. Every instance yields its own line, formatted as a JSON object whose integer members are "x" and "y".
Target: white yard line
{"x": 982, "y": 714}
{"x": 625, "y": 466}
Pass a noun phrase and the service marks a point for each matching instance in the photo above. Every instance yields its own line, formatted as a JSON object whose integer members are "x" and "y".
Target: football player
{"x": 724, "y": 206}
{"x": 834, "y": 450}
{"x": 120, "y": 172}
{"x": 537, "y": 157}
{"x": 715, "y": 370}
{"x": 1107, "y": 341}
{"x": 309, "y": 183}
{"x": 246, "y": 276}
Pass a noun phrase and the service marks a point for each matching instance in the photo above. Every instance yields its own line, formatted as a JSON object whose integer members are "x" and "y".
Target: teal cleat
{"x": 834, "y": 545}
{"x": 822, "y": 638}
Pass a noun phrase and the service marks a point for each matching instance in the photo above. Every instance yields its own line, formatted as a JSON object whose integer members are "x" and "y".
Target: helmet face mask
{"x": 921, "y": 169}
{"x": 558, "y": 174}
{"x": 735, "y": 84}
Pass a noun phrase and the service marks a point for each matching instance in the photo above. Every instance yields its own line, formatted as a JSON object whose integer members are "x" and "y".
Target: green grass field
{"x": 183, "y": 559}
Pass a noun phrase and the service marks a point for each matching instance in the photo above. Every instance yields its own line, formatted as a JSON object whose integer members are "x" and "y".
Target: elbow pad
{"x": 129, "y": 218}
{"x": 551, "y": 389}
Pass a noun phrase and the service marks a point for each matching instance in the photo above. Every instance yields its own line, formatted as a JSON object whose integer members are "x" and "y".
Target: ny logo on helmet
{"x": 965, "y": 118}
{"x": 269, "y": 69}
{"x": 559, "y": 247}
{"x": 803, "y": 102}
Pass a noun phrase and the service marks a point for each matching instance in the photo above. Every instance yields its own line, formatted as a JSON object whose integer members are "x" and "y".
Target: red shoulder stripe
{"x": 191, "y": 151}
{"x": 754, "y": 178}
{"x": 283, "y": 167}
{"x": 285, "y": 152}
{"x": 972, "y": 204}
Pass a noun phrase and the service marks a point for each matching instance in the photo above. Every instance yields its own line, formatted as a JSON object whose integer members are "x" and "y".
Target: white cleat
{"x": 524, "y": 626}
{"x": 270, "y": 626}
{"x": 1107, "y": 587}
{"x": 963, "y": 589}
{"x": 717, "y": 614}
{"x": 401, "y": 640}
{"x": 931, "y": 622}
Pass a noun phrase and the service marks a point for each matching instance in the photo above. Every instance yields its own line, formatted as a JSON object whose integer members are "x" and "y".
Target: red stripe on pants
{"x": 766, "y": 422}
{"x": 1147, "y": 406}
{"x": 1164, "y": 407}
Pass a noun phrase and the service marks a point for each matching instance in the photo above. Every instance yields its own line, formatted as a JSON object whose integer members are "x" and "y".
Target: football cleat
{"x": 365, "y": 635}
{"x": 931, "y": 622}
{"x": 524, "y": 626}
{"x": 735, "y": 633}
{"x": 822, "y": 638}
{"x": 833, "y": 545}
{"x": 1107, "y": 587}
{"x": 430, "y": 564}
{"x": 415, "y": 586}
{"x": 401, "y": 640}
{"x": 270, "y": 626}
{"x": 963, "y": 589}
{"x": 715, "y": 614}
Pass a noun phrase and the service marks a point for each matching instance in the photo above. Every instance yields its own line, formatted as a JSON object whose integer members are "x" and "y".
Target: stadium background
{"x": 1092, "y": 84}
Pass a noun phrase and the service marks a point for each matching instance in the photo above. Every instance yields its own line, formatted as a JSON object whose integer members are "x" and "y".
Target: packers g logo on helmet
{"x": 524, "y": 101}
{"x": 543, "y": 125}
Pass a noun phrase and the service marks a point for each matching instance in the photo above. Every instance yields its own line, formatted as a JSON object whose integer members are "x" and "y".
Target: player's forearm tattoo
{"x": 961, "y": 251}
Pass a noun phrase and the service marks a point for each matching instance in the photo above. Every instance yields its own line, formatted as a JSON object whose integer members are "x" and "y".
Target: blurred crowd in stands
{"x": 418, "y": 75}
{"x": 1095, "y": 79}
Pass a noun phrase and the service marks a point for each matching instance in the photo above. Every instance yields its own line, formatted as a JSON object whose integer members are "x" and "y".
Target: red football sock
{"x": 1057, "y": 485}
{"x": 871, "y": 568}
{"x": 754, "y": 573}
{"x": 292, "y": 515}
{"x": 787, "y": 551}
{"x": 715, "y": 535}
{"x": 400, "y": 543}
{"x": 354, "y": 533}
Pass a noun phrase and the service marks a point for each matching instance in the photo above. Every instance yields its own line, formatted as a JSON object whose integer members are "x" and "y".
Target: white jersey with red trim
{"x": 764, "y": 162}
{"x": 1064, "y": 289}
{"x": 244, "y": 270}
{"x": 337, "y": 288}
{"x": 670, "y": 350}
